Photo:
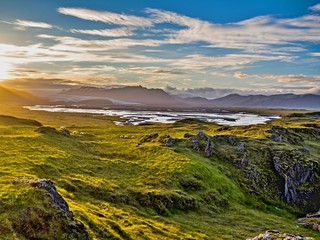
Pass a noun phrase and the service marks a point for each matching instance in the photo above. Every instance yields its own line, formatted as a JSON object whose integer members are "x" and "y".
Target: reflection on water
{"x": 136, "y": 117}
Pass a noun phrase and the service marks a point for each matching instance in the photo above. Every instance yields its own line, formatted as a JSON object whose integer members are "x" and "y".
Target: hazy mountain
{"x": 158, "y": 97}
{"x": 130, "y": 94}
{"x": 12, "y": 96}
{"x": 306, "y": 101}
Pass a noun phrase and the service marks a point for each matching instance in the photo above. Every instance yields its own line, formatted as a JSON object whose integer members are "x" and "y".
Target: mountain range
{"x": 139, "y": 96}
{"x": 158, "y": 97}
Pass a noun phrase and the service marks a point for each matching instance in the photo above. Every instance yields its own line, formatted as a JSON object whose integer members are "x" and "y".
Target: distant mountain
{"x": 15, "y": 97}
{"x": 291, "y": 101}
{"x": 139, "y": 95}
{"x": 130, "y": 94}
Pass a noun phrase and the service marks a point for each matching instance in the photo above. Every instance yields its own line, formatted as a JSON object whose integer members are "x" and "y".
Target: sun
{"x": 5, "y": 68}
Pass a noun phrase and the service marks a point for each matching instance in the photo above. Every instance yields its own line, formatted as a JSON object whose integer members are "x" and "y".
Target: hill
{"x": 15, "y": 97}
{"x": 130, "y": 94}
{"x": 137, "y": 182}
{"x": 289, "y": 101}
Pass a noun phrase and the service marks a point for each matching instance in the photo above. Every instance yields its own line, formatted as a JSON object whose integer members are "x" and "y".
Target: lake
{"x": 136, "y": 117}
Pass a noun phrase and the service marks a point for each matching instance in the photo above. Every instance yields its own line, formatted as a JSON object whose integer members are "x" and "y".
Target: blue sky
{"x": 264, "y": 46}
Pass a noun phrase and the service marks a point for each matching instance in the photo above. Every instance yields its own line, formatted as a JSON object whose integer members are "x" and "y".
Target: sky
{"x": 253, "y": 46}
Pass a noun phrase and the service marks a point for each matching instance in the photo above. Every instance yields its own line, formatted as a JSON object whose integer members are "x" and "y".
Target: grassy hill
{"x": 13, "y": 97}
{"x": 122, "y": 185}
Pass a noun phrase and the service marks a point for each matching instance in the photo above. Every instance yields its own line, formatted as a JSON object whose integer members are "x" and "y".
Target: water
{"x": 136, "y": 117}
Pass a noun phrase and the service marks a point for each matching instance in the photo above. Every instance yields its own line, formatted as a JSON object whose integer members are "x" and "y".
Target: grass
{"x": 122, "y": 190}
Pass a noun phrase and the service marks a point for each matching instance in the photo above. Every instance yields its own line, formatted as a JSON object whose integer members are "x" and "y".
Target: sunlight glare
{"x": 4, "y": 69}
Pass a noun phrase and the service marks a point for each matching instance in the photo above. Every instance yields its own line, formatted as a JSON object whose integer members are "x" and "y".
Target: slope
{"x": 12, "y": 96}
{"x": 136, "y": 187}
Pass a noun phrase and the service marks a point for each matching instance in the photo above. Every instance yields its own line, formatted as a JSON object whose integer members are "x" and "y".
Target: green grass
{"x": 122, "y": 190}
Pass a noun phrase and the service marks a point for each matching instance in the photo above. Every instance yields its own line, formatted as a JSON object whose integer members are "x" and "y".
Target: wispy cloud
{"x": 117, "y": 32}
{"x": 258, "y": 33}
{"x": 315, "y": 7}
{"x": 25, "y": 24}
{"x": 197, "y": 61}
{"x": 296, "y": 78}
{"x": 77, "y": 44}
{"x": 154, "y": 70}
{"x": 106, "y": 17}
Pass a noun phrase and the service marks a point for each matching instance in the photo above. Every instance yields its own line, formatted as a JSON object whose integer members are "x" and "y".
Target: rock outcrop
{"x": 294, "y": 172}
{"x": 54, "y": 196}
{"x": 289, "y": 135}
{"x": 276, "y": 235}
{"x": 46, "y": 215}
{"x": 311, "y": 221}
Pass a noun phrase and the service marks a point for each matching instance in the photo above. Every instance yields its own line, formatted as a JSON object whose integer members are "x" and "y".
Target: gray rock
{"x": 187, "y": 135}
{"x": 240, "y": 147}
{"x": 170, "y": 142}
{"x": 202, "y": 136}
{"x": 195, "y": 145}
{"x": 209, "y": 149}
{"x": 55, "y": 197}
{"x": 229, "y": 139}
{"x": 287, "y": 165}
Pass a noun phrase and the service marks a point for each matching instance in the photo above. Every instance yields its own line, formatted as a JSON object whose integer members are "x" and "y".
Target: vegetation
{"x": 122, "y": 185}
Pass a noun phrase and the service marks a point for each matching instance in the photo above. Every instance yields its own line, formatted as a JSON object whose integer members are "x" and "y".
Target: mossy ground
{"x": 122, "y": 190}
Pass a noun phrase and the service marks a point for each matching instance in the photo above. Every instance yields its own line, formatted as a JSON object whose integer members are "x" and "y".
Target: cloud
{"x": 106, "y": 17}
{"x": 315, "y": 54}
{"x": 198, "y": 62}
{"x": 315, "y": 7}
{"x": 117, "y": 32}
{"x": 260, "y": 33}
{"x": 77, "y": 44}
{"x": 295, "y": 78}
{"x": 240, "y": 75}
{"x": 25, "y": 23}
{"x": 154, "y": 70}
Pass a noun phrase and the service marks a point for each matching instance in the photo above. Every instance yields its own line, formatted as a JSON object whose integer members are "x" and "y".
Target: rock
{"x": 276, "y": 235}
{"x": 281, "y": 134}
{"x": 55, "y": 197}
{"x": 202, "y": 136}
{"x": 187, "y": 135}
{"x": 241, "y": 161}
{"x": 64, "y": 131}
{"x": 45, "y": 130}
{"x": 195, "y": 145}
{"x": 311, "y": 221}
{"x": 209, "y": 149}
{"x": 240, "y": 147}
{"x": 170, "y": 142}
{"x": 288, "y": 165}
{"x": 229, "y": 139}
{"x": 46, "y": 219}
{"x": 148, "y": 138}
